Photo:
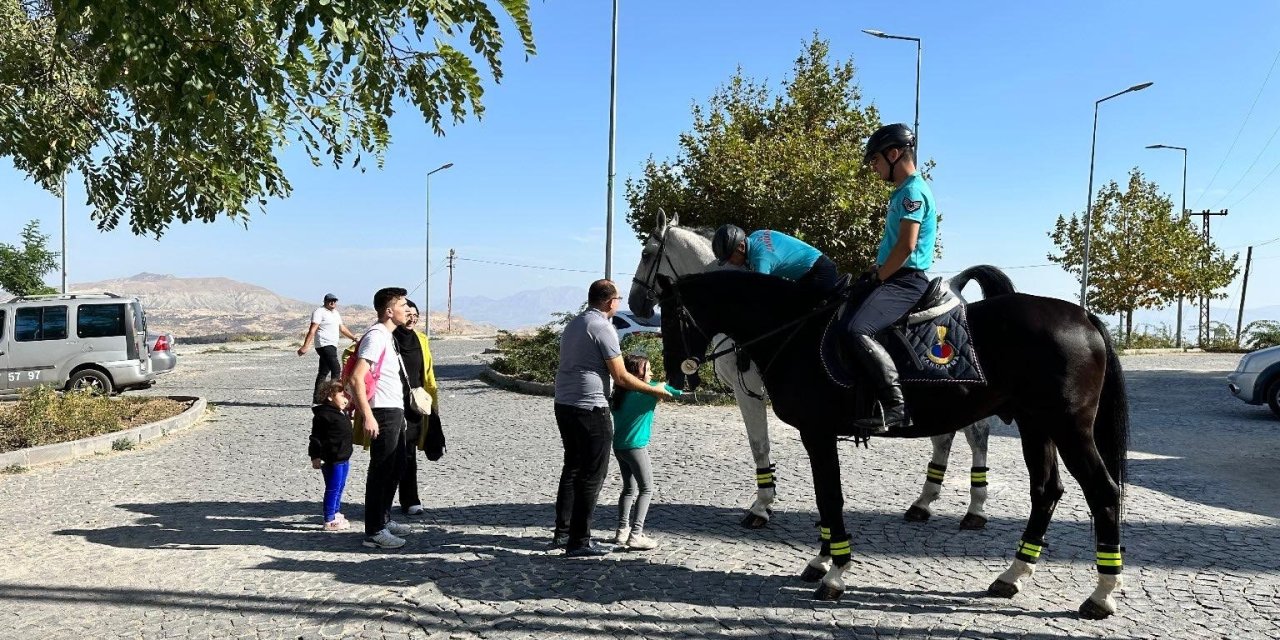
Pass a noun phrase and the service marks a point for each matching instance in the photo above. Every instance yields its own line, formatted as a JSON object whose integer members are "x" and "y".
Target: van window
{"x": 100, "y": 320}
{"x": 2, "y": 325}
{"x": 139, "y": 318}
{"x": 32, "y": 324}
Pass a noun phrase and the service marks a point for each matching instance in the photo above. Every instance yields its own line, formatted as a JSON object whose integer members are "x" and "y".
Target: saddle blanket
{"x": 930, "y": 349}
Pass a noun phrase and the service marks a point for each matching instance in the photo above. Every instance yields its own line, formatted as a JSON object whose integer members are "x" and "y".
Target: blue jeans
{"x": 335, "y": 480}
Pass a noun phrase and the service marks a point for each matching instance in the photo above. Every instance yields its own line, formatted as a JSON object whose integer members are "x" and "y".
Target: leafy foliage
{"x": 44, "y": 416}
{"x": 1261, "y": 334}
{"x": 22, "y": 270}
{"x": 791, "y": 162}
{"x": 1140, "y": 256}
{"x": 176, "y": 110}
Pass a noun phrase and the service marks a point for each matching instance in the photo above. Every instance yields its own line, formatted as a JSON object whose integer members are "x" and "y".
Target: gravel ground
{"x": 215, "y": 532}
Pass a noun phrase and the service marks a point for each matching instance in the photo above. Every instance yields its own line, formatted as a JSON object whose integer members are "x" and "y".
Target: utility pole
{"x": 1204, "y": 295}
{"x": 448, "y": 327}
{"x": 1244, "y": 289}
{"x": 64, "y": 232}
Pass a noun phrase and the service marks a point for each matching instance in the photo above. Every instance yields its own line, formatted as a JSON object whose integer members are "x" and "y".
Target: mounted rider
{"x": 776, "y": 253}
{"x": 898, "y": 275}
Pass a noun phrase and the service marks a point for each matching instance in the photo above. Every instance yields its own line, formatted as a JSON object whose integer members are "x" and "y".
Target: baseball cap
{"x": 330, "y": 297}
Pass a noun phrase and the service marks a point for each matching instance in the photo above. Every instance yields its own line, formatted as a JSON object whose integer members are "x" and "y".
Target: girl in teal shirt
{"x": 632, "y": 424}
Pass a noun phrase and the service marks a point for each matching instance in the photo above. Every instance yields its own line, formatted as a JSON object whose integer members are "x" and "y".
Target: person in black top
{"x": 330, "y": 451}
{"x": 417, "y": 372}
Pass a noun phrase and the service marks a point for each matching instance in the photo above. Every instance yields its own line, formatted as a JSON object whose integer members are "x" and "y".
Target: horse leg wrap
{"x": 841, "y": 551}
{"x": 764, "y": 478}
{"x": 977, "y": 490}
{"x": 935, "y": 473}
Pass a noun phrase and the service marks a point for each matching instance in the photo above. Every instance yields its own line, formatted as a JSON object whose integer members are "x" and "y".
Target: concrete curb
{"x": 1161, "y": 351}
{"x": 64, "y": 451}
{"x": 512, "y": 383}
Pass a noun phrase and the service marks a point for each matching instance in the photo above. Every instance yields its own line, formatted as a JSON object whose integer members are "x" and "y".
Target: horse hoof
{"x": 1002, "y": 589}
{"x": 1091, "y": 610}
{"x": 827, "y": 593}
{"x": 973, "y": 522}
{"x": 812, "y": 573}
{"x": 916, "y": 514}
{"x": 753, "y": 521}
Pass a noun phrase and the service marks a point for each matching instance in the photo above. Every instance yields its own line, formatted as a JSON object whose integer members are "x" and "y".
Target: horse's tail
{"x": 992, "y": 280}
{"x": 1111, "y": 427}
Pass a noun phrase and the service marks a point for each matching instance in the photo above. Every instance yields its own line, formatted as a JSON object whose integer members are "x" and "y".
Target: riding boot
{"x": 879, "y": 366}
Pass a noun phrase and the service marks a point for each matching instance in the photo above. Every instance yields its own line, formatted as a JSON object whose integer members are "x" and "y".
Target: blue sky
{"x": 1006, "y": 111}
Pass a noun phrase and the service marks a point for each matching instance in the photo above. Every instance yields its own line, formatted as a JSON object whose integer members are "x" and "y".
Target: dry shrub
{"x": 43, "y": 416}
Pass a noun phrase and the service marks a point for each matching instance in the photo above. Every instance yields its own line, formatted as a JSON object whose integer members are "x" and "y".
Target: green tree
{"x": 1140, "y": 255}
{"x": 22, "y": 270}
{"x": 790, "y": 161}
{"x": 177, "y": 110}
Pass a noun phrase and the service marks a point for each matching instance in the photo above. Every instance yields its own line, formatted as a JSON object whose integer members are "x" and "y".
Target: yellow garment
{"x": 359, "y": 437}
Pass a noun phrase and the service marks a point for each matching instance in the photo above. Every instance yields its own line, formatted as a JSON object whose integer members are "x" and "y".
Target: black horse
{"x": 1050, "y": 366}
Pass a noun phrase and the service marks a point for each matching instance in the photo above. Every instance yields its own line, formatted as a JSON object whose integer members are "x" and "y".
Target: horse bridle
{"x": 650, "y": 281}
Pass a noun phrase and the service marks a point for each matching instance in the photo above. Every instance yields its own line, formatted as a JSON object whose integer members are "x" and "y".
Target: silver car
{"x": 1256, "y": 379}
{"x": 73, "y": 341}
{"x": 163, "y": 358}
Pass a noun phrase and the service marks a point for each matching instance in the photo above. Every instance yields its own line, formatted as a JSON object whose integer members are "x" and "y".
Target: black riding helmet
{"x": 726, "y": 240}
{"x": 890, "y": 136}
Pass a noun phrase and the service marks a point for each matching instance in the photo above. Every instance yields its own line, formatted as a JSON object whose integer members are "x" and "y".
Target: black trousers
{"x": 822, "y": 277}
{"x": 329, "y": 368}
{"x": 386, "y": 460}
{"x": 588, "y": 438}
{"x": 409, "y": 467}
{"x": 888, "y": 302}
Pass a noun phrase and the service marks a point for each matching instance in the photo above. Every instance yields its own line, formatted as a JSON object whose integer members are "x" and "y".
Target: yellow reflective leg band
{"x": 841, "y": 548}
{"x": 824, "y": 533}
{"x": 1109, "y": 559}
{"x": 978, "y": 477}
{"x": 936, "y": 472}
{"x": 1029, "y": 552}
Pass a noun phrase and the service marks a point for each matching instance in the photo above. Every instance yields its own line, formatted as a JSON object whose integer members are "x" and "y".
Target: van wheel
{"x": 1273, "y": 396}
{"x": 92, "y": 380}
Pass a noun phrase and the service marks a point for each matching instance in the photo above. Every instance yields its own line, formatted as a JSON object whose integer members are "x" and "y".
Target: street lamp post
{"x": 1178, "y": 339}
{"x": 919, "y": 52}
{"x": 1088, "y": 211}
{"x": 613, "y": 118}
{"x": 426, "y": 284}
{"x": 64, "y": 232}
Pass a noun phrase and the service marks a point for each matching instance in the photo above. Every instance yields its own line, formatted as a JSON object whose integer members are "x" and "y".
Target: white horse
{"x": 673, "y": 251}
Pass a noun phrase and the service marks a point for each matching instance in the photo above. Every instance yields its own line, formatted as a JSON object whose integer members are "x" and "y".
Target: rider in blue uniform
{"x": 776, "y": 253}
{"x": 906, "y": 251}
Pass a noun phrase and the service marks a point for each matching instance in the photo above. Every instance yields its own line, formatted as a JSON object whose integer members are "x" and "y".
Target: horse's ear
{"x": 675, "y": 219}
{"x": 662, "y": 220}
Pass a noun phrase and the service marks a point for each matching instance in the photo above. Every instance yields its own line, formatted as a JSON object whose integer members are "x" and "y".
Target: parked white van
{"x": 73, "y": 341}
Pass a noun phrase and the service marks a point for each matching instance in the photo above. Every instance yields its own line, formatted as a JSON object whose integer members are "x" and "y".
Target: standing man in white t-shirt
{"x": 382, "y": 410}
{"x": 326, "y": 326}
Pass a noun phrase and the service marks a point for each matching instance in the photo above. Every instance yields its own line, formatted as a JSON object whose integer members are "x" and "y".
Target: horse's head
{"x": 681, "y": 340}
{"x": 670, "y": 251}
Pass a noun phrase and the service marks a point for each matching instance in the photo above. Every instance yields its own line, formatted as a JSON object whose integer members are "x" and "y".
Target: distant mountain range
{"x": 194, "y": 307}
{"x": 521, "y": 310}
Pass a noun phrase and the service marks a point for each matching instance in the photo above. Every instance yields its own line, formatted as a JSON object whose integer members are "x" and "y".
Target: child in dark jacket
{"x": 330, "y": 451}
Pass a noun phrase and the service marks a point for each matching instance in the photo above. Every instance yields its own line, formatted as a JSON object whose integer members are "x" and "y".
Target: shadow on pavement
{"x": 694, "y": 529}
{"x": 333, "y": 614}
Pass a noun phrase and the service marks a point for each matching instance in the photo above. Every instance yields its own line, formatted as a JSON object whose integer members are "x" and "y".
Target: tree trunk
{"x": 1128, "y": 327}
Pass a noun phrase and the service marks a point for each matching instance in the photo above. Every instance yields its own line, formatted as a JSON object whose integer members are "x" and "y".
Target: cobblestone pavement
{"x": 215, "y": 532}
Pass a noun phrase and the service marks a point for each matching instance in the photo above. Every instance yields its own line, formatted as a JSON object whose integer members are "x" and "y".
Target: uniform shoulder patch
{"x": 912, "y": 205}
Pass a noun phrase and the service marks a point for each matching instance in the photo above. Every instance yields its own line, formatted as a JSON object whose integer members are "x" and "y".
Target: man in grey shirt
{"x": 589, "y": 357}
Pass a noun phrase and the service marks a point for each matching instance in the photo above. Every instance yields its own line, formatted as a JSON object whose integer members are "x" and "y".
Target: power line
{"x": 1246, "y": 172}
{"x": 1255, "y": 187}
{"x": 534, "y": 266}
{"x": 1242, "y": 125}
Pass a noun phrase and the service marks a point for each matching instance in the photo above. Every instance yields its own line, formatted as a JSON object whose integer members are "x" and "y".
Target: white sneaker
{"x": 415, "y": 510}
{"x": 398, "y": 529}
{"x": 620, "y": 538}
{"x": 641, "y": 542}
{"x": 383, "y": 540}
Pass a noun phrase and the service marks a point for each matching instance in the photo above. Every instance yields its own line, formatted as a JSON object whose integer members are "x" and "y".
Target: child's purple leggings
{"x": 335, "y": 480}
